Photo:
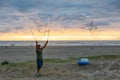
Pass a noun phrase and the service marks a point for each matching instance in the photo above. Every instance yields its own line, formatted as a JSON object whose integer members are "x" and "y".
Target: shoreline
{"x": 62, "y": 43}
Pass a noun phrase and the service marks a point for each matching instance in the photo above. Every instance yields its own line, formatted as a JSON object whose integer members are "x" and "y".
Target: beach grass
{"x": 32, "y": 64}
{"x": 58, "y": 60}
{"x": 104, "y": 57}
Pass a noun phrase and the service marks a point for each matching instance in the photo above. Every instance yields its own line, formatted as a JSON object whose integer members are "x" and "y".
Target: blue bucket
{"x": 83, "y": 61}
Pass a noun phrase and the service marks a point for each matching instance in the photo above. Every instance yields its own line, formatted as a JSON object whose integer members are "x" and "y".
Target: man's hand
{"x": 36, "y": 42}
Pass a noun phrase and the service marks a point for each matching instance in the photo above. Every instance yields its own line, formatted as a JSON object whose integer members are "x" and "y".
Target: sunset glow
{"x": 74, "y": 34}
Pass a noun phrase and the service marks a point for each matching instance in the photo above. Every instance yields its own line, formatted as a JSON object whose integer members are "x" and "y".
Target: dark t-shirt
{"x": 39, "y": 53}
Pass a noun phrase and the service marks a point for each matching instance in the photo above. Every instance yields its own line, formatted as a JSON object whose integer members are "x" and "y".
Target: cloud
{"x": 116, "y": 4}
{"x": 93, "y": 8}
{"x": 102, "y": 23}
{"x": 68, "y": 10}
{"x": 22, "y": 5}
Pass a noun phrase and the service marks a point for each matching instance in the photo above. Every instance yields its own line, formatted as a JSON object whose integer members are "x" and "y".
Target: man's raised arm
{"x": 36, "y": 43}
{"x": 45, "y": 44}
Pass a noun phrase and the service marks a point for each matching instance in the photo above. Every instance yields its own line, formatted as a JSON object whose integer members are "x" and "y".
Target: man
{"x": 39, "y": 55}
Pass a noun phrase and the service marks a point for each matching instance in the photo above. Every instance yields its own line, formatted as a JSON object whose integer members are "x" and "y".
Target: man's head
{"x": 38, "y": 46}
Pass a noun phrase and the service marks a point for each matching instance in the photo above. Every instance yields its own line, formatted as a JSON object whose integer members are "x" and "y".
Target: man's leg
{"x": 39, "y": 65}
{"x": 38, "y": 70}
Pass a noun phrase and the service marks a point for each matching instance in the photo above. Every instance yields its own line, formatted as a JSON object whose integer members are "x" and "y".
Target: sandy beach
{"x": 20, "y": 69}
{"x": 27, "y": 53}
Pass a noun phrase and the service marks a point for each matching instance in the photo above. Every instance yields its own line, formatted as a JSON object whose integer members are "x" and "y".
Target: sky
{"x": 65, "y": 19}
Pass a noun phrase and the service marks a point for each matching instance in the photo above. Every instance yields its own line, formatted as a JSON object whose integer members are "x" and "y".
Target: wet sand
{"x": 27, "y": 53}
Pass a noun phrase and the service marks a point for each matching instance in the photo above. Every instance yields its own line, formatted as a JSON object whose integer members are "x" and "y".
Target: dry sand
{"x": 97, "y": 70}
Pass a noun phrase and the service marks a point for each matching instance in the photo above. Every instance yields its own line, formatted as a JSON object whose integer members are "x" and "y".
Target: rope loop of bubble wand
{"x": 48, "y": 35}
{"x": 32, "y": 33}
{"x": 30, "y": 29}
{"x": 48, "y": 24}
{"x": 39, "y": 31}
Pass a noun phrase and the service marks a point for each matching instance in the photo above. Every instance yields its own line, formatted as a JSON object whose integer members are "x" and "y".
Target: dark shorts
{"x": 39, "y": 63}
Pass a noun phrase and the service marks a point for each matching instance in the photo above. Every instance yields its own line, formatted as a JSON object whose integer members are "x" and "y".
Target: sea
{"x": 62, "y": 43}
